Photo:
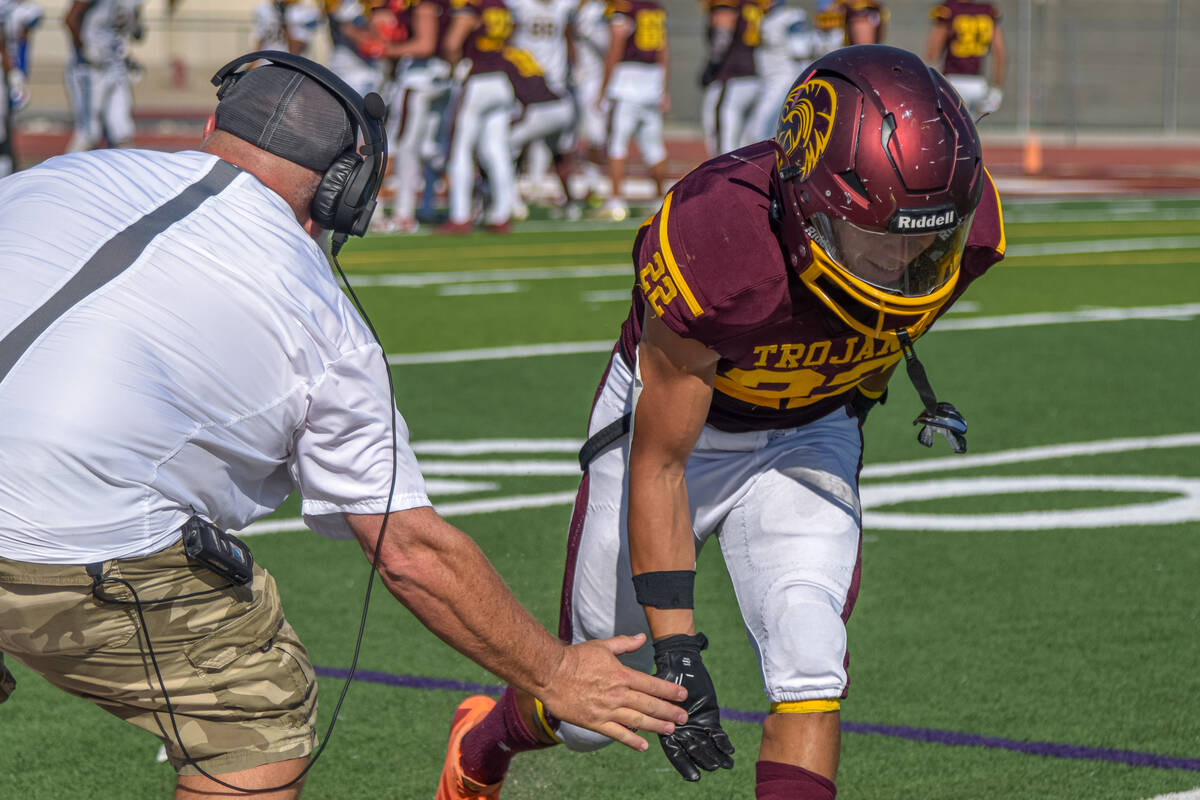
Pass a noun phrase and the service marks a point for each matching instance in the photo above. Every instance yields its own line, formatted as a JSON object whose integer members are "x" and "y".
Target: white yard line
{"x": 517, "y": 502}
{"x": 1185, "y": 311}
{"x": 1104, "y": 246}
{"x": 1194, "y": 794}
{"x": 414, "y": 279}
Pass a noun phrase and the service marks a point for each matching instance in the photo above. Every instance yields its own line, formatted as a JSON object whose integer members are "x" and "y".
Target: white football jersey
{"x": 787, "y": 43}
{"x": 107, "y": 27}
{"x": 540, "y": 26}
{"x": 271, "y": 29}
{"x": 592, "y": 36}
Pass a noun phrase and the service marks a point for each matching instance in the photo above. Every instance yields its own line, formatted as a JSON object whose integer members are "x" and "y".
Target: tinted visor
{"x": 906, "y": 264}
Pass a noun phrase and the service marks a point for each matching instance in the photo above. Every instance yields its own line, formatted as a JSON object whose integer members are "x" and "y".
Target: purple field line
{"x": 951, "y": 738}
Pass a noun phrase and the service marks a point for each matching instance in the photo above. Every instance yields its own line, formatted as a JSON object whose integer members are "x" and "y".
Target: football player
{"x": 358, "y": 52}
{"x": 729, "y": 79}
{"x": 866, "y": 21}
{"x": 415, "y": 111}
{"x": 775, "y": 292}
{"x": 963, "y": 35}
{"x": 591, "y": 38}
{"x": 99, "y": 80}
{"x": 544, "y": 116}
{"x": 474, "y": 46}
{"x": 788, "y": 44}
{"x": 286, "y": 25}
{"x": 635, "y": 84}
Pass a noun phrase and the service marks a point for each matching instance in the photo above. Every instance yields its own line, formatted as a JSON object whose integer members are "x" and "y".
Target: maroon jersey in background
{"x": 485, "y": 45}
{"x": 528, "y": 81}
{"x": 712, "y": 265}
{"x": 972, "y": 26}
{"x": 739, "y": 60}
{"x": 404, "y": 11}
{"x": 649, "y": 35}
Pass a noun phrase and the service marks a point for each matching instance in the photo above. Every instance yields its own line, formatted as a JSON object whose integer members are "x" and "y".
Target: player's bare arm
{"x": 443, "y": 577}
{"x": 677, "y": 384}
{"x": 423, "y": 43}
{"x": 456, "y": 35}
{"x": 935, "y": 43}
{"x": 999, "y": 57}
{"x": 620, "y": 31}
{"x": 73, "y": 22}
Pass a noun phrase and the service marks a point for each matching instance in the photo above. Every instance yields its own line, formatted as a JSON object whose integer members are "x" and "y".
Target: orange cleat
{"x": 455, "y": 228}
{"x": 454, "y": 785}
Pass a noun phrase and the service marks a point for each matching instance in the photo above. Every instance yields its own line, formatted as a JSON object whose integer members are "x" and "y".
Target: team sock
{"x": 777, "y": 781}
{"x": 489, "y": 746}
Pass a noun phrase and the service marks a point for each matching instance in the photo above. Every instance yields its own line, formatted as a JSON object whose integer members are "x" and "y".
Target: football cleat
{"x": 453, "y": 784}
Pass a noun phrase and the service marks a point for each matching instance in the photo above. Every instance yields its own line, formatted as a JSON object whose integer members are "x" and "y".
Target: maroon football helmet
{"x": 882, "y": 166}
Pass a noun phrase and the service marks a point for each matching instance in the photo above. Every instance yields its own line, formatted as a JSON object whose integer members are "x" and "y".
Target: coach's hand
{"x": 700, "y": 742}
{"x": 594, "y": 690}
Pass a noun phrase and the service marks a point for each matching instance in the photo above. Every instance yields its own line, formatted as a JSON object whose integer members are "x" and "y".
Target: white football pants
{"x": 102, "y": 101}
{"x": 547, "y": 122}
{"x": 725, "y": 115}
{"x": 784, "y": 506}
{"x": 481, "y": 131}
{"x": 416, "y": 111}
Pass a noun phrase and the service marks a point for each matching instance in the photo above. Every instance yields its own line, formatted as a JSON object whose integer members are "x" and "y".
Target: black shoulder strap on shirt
{"x": 113, "y": 258}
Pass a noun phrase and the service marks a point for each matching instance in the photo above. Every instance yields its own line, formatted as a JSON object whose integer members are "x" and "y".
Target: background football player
{"x": 963, "y": 35}
{"x": 635, "y": 84}
{"x": 776, "y": 290}
{"x": 286, "y": 25}
{"x": 99, "y": 81}
{"x": 474, "y": 46}
{"x": 729, "y": 78}
{"x": 417, "y": 106}
{"x": 788, "y": 43}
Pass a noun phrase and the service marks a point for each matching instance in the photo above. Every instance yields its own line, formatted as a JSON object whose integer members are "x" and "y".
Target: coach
{"x": 176, "y": 357}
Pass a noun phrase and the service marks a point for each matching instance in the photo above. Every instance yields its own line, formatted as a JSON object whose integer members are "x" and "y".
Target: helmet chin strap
{"x": 937, "y": 417}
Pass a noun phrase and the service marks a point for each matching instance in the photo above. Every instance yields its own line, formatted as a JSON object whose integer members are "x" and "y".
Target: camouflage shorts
{"x": 240, "y": 682}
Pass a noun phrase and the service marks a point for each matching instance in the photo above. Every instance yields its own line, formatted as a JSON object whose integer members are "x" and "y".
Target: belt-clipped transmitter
{"x": 221, "y": 552}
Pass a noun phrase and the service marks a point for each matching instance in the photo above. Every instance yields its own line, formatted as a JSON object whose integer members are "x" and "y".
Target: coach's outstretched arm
{"x": 443, "y": 577}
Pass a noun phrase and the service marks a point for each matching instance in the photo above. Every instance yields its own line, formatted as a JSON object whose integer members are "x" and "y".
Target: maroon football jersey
{"x": 649, "y": 35}
{"x": 715, "y": 268}
{"x": 739, "y": 59}
{"x": 404, "y": 11}
{"x": 972, "y": 27}
{"x": 528, "y": 81}
{"x": 485, "y": 45}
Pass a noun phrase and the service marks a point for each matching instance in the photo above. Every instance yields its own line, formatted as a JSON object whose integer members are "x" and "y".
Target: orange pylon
{"x": 1031, "y": 155}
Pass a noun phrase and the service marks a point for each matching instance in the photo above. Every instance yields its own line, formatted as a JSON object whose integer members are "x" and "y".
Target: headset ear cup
{"x": 331, "y": 188}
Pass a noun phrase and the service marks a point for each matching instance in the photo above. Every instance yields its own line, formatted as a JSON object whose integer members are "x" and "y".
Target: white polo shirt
{"x": 172, "y": 342}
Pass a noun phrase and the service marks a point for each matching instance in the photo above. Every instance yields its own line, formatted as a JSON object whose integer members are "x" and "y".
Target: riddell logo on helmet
{"x": 938, "y": 219}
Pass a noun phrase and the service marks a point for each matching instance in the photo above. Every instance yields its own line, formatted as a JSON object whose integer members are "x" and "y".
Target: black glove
{"x": 708, "y": 74}
{"x": 945, "y": 420}
{"x": 861, "y": 404}
{"x": 699, "y": 742}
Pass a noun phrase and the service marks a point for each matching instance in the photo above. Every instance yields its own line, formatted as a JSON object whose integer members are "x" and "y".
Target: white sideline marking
{"x": 460, "y": 289}
{"x": 500, "y": 467}
{"x": 474, "y": 447}
{"x": 501, "y": 353}
{"x": 1186, "y": 311}
{"x": 1043, "y": 453}
{"x": 416, "y": 279}
{"x": 478, "y": 446}
{"x": 1104, "y": 246}
{"x": 1194, "y": 794}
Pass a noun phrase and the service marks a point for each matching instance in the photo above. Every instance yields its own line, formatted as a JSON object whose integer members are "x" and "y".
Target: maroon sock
{"x": 489, "y": 746}
{"x": 777, "y": 781}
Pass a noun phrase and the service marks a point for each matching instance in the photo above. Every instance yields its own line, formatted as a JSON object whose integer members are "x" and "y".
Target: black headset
{"x": 345, "y": 198}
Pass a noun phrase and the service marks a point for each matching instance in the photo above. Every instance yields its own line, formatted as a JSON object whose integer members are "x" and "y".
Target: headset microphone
{"x": 345, "y": 198}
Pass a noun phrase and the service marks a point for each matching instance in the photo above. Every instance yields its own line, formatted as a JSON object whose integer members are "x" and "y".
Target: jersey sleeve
{"x": 985, "y": 241}
{"x": 704, "y": 265}
{"x": 342, "y": 457}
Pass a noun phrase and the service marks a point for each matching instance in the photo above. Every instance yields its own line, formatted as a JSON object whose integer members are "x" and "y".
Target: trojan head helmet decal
{"x": 805, "y": 124}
